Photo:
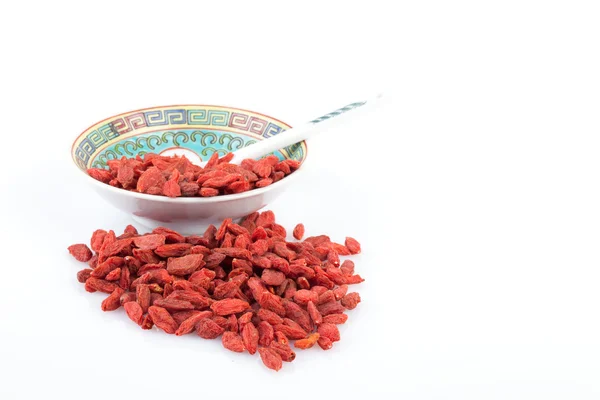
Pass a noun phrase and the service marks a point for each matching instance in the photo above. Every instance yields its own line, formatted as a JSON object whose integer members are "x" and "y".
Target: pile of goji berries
{"x": 243, "y": 282}
{"x": 176, "y": 176}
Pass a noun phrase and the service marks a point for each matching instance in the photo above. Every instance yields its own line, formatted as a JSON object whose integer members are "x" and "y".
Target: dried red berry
{"x": 143, "y": 296}
{"x": 351, "y": 300}
{"x": 325, "y": 343}
{"x": 81, "y": 252}
{"x": 83, "y": 275}
{"x": 298, "y": 231}
{"x": 151, "y": 241}
{"x": 101, "y": 175}
{"x": 266, "y": 333}
{"x": 232, "y": 341}
{"x": 335, "y": 319}
{"x": 184, "y": 265}
{"x": 173, "y": 305}
{"x": 272, "y": 277}
{"x": 270, "y": 358}
{"x": 303, "y": 296}
{"x": 284, "y": 350}
{"x": 314, "y": 313}
{"x": 173, "y": 250}
{"x": 308, "y": 342}
{"x": 151, "y": 181}
{"x": 330, "y": 331}
{"x": 269, "y": 316}
{"x": 352, "y": 245}
{"x": 113, "y": 301}
{"x": 189, "y": 324}
{"x": 134, "y": 312}
{"x": 250, "y": 337}
{"x": 114, "y": 275}
{"x": 229, "y": 306}
{"x": 100, "y": 285}
{"x": 98, "y": 239}
{"x": 162, "y": 319}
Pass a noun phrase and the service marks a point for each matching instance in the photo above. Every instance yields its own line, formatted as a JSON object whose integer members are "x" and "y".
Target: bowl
{"x": 196, "y": 131}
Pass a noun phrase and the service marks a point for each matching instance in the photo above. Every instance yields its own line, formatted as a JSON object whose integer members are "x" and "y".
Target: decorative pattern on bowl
{"x": 194, "y": 130}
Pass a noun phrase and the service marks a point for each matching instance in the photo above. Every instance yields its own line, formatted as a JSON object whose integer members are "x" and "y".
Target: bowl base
{"x": 188, "y": 227}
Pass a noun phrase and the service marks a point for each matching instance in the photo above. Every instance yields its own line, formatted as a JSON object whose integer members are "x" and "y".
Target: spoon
{"x": 301, "y": 132}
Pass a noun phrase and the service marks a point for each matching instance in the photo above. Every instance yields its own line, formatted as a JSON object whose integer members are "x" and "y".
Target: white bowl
{"x": 196, "y": 131}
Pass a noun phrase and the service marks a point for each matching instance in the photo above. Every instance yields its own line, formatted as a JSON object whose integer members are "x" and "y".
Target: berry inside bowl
{"x": 196, "y": 132}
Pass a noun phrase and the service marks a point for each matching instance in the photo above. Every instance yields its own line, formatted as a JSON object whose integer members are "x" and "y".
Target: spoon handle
{"x": 301, "y": 132}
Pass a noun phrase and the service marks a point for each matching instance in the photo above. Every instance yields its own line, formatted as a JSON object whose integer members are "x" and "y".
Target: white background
{"x": 473, "y": 191}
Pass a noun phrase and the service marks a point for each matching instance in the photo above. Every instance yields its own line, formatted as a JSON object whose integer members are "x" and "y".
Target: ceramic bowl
{"x": 196, "y": 131}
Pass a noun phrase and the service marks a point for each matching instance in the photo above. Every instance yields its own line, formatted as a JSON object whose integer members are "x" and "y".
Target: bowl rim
{"x": 189, "y": 200}
{"x": 175, "y": 105}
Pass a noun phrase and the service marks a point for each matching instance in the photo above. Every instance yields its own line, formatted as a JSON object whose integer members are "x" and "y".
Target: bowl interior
{"x": 196, "y": 131}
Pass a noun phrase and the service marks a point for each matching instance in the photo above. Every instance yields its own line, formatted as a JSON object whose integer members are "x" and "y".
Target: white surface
{"x": 476, "y": 202}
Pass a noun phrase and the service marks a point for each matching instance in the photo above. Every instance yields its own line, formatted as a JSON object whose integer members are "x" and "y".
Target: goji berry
{"x": 134, "y": 312}
{"x": 113, "y": 301}
{"x": 151, "y": 241}
{"x": 233, "y": 323}
{"x": 352, "y": 245}
{"x": 270, "y": 358}
{"x": 325, "y": 343}
{"x": 232, "y": 341}
{"x": 298, "y": 231}
{"x": 351, "y": 300}
{"x": 229, "y": 306}
{"x": 127, "y": 297}
{"x": 173, "y": 305}
{"x": 269, "y": 316}
{"x": 162, "y": 319}
{"x": 81, "y": 252}
{"x": 107, "y": 266}
{"x": 143, "y": 296}
{"x": 314, "y": 313}
{"x": 97, "y": 239}
{"x": 297, "y": 314}
{"x": 185, "y": 265}
{"x": 272, "y": 277}
{"x": 113, "y": 275}
{"x": 335, "y": 319}
{"x": 151, "y": 181}
{"x": 284, "y": 350}
{"x": 101, "y": 175}
{"x": 83, "y": 275}
{"x": 332, "y": 307}
{"x": 308, "y": 342}
{"x": 181, "y": 316}
{"x": 173, "y": 250}
{"x": 303, "y": 296}
{"x": 214, "y": 259}
{"x": 265, "y": 333}
{"x": 147, "y": 322}
{"x": 250, "y": 337}
{"x": 234, "y": 252}
{"x": 100, "y": 285}
{"x": 340, "y": 291}
{"x": 330, "y": 331}
{"x": 295, "y": 332}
